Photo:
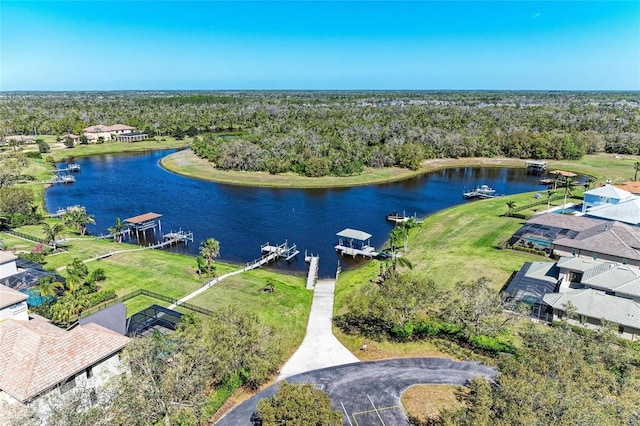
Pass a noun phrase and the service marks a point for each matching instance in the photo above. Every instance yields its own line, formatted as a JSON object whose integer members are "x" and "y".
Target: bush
{"x": 33, "y": 257}
{"x": 101, "y": 296}
{"x": 33, "y": 154}
{"x": 98, "y": 275}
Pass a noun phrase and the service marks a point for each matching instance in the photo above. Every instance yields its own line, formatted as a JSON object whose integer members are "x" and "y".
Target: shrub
{"x": 101, "y": 296}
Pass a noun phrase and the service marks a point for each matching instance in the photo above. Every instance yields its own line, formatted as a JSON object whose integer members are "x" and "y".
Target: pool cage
{"x": 153, "y": 318}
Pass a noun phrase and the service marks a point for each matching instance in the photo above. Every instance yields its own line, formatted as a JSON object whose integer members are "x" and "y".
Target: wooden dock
{"x": 312, "y": 276}
{"x": 173, "y": 238}
{"x": 63, "y": 179}
{"x": 271, "y": 253}
{"x": 366, "y": 251}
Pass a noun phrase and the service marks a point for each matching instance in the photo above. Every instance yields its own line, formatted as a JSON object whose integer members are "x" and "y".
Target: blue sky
{"x": 211, "y": 45}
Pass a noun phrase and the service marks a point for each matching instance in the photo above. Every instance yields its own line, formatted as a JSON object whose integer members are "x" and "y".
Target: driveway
{"x": 368, "y": 393}
{"x": 320, "y": 348}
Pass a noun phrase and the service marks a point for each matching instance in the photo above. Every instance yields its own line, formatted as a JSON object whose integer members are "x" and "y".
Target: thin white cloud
{"x": 536, "y": 15}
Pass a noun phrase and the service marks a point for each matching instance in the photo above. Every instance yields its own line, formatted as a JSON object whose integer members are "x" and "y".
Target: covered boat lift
{"x": 144, "y": 222}
{"x": 354, "y": 242}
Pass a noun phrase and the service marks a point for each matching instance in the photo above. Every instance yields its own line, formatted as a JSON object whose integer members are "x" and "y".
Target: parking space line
{"x": 346, "y": 414}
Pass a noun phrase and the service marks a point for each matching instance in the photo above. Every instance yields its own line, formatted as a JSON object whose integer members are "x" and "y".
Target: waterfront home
{"x": 594, "y": 290}
{"x": 41, "y": 364}
{"x": 582, "y": 237}
{"x": 13, "y": 304}
{"x": 23, "y": 275}
{"x": 107, "y": 133}
{"x": 606, "y": 194}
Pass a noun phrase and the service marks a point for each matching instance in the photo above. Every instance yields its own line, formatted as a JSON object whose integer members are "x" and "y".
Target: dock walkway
{"x": 314, "y": 263}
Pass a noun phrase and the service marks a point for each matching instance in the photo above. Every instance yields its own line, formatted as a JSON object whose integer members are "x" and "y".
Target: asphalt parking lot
{"x": 368, "y": 393}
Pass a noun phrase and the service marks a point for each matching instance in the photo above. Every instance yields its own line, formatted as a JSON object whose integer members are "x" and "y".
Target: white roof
{"x": 354, "y": 234}
{"x": 609, "y": 191}
{"x": 627, "y": 211}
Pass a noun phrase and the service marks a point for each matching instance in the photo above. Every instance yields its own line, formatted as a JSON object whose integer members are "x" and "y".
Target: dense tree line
{"x": 340, "y": 133}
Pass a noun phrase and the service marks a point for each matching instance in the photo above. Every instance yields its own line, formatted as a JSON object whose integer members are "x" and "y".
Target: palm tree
{"x": 511, "y": 205}
{"x": 209, "y": 249}
{"x": 47, "y": 287}
{"x": 568, "y": 184}
{"x": 549, "y": 195}
{"x": 116, "y": 230}
{"x": 51, "y": 233}
{"x": 78, "y": 219}
{"x": 636, "y": 167}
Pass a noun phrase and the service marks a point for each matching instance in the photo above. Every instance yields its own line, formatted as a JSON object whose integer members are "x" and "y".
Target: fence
{"x": 142, "y": 292}
{"x": 25, "y": 236}
{"x": 540, "y": 202}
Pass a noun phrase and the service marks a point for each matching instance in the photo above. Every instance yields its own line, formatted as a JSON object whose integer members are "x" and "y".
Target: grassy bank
{"x": 459, "y": 244}
{"x": 59, "y": 151}
{"x": 600, "y": 166}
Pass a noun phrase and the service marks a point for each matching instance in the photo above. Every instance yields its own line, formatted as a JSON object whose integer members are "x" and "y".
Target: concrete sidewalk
{"x": 320, "y": 348}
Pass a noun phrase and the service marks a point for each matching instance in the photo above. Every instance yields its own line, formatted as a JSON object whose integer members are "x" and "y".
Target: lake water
{"x": 241, "y": 218}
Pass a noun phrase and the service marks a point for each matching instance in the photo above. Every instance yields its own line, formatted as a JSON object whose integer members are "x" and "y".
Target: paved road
{"x": 320, "y": 348}
{"x": 368, "y": 393}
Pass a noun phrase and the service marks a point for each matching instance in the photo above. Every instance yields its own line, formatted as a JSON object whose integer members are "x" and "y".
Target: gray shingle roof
{"x": 611, "y": 238}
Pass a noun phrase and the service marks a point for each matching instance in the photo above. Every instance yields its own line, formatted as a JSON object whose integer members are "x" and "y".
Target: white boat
{"x": 482, "y": 191}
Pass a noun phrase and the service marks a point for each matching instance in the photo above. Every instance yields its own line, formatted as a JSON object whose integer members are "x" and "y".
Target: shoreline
{"x": 185, "y": 163}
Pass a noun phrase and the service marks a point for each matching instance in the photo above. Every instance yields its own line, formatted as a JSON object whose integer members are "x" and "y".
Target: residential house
{"x": 23, "y": 275}
{"x": 41, "y": 364}
{"x": 18, "y": 138}
{"x": 13, "y": 304}
{"x": 580, "y": 236}
{"x": 593, "y": 290}
{"x": 607, "y": 194}
{"x": 107, "y": 133}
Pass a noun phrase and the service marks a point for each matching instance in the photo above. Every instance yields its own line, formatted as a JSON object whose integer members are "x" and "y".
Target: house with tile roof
{"x": 40, "y": 362}
{"x": 609, "y": 241}
{"x": 18, "y": 138}
{"x": 591, "y": 307}
{"x": 107, "y": 133}
{"x": 594, "y": 289}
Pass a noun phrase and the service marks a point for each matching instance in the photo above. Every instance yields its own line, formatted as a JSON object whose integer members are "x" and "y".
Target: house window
{"x": 68, "y": 385}
{"x": 624, "y": 261}
{"x": 620, "y": 329}
{"x": 89, "y": 372}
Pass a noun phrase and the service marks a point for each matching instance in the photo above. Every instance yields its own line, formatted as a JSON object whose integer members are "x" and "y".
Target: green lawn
{"x": 286, "y": 309}
{"x": 460, "y": 243}
{"x": 59, "y": 153}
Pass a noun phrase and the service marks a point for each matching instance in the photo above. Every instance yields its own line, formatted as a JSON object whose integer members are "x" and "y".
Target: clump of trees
{"x": 561, "y": 376}
{"x": 297, "y": 404}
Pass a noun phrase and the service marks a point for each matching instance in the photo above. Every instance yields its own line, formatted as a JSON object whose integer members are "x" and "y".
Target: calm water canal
{"x": 242, "y": 219}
